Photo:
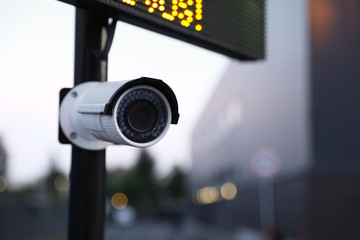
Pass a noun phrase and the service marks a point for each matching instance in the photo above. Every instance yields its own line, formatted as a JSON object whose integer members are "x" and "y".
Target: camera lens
{"x": 142, "y": 115}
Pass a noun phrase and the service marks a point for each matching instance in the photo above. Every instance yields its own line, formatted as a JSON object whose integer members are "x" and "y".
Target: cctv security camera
{"x": 94, "y": 115}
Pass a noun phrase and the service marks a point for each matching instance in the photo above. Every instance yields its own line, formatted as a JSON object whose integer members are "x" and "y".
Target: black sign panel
{"x": 231, "y": 27}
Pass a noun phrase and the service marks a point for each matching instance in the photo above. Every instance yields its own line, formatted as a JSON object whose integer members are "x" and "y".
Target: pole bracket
{"x": 110, "y": 30}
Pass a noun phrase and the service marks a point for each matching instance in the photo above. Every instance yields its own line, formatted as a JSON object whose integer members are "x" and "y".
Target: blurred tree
{"x": 55, "y": 184}
{"x": 3, "y": 158}
{"x": 138, "y": 183}
{"x": 149, "y": 186}
{"x": 127, "y": 182}
{"x": 143, "y": 190}
{"x": 177, "y": 183}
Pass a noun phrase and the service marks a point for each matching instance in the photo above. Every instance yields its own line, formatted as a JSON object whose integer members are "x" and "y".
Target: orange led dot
{"x": 175, "y": 1}
{"x": 151, "y": 10}
{"x": 198, "y": 17}
{"x": 198, "y": 5}
{"x": 198, "y": 27}
{"x": 147, "y": 2}
{"x": 181, "y": 15}
{"x": 128, "y": 1}
{"x": 162, "y": 2}
{"x": 133, "y": 3}
{"x": 198, "y": 11}
{"x": 190, "y": 3}
{"x": 190, "y": 19}
{"x": 168, "y": 16}
{"x": 161, "y": 8}
{"x": 155, "y": 5}
{"x": 124, "y": 1}
{"x": 185, "y": 23}
{"x": 174, "y": 13}
{"x": 175, "y": 7}
{"x": 154, "y": 0}
{"x": 199, "y": 1}
{"x": 183, "y": 5}
{"x": 188, "y": 13}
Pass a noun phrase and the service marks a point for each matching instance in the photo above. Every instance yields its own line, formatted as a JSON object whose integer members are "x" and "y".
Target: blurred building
{"x": 285, "y": 131}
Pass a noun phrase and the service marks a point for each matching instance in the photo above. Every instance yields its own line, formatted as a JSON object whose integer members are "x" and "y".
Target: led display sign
{"x": 231, "y": 27}
{"x": 186, "y": 13}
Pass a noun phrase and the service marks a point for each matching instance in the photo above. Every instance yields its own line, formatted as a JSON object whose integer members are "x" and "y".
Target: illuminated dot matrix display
{"x": 235, "y": 28}
{"x": 187, "y": 13}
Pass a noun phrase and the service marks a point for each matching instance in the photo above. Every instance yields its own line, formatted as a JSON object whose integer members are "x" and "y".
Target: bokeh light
{"x": 3, "y": 184}
{"x": 228, "y": 191}
{"x": 207, "y": 195}
{"x": 266, "y": 162}
{"x": 119, "y": 201}
{"x": 62, "y": 183}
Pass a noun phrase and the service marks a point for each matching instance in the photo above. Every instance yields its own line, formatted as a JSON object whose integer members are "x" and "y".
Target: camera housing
{"x": 94, "y": 115}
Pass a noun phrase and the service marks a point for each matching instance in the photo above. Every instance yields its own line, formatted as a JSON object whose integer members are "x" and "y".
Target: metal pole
{"x": 88, "y": 173}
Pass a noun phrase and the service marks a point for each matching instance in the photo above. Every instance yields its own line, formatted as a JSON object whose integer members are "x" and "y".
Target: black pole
{"x": 88, "y": 173}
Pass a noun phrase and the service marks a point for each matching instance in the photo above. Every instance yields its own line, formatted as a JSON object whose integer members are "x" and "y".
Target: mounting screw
{"x": 74, "y": 94}
{"x": 73, "y": 135}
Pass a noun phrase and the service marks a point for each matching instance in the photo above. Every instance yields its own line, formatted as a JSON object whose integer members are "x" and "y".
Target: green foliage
{"x": 177, "y": 183}
{"x": 127, "y": 182}
{"x": 137, "y": 183}
{"x": 142, "y": 188}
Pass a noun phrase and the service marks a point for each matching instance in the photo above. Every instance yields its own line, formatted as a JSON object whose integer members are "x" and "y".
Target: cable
{"x": 103, "y": 54}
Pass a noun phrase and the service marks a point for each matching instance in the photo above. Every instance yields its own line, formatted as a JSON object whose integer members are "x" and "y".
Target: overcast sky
{"x": 36, "y": 61}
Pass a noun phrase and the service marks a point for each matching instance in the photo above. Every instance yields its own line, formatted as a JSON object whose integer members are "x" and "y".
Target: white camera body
{"x": 94, "y": 115}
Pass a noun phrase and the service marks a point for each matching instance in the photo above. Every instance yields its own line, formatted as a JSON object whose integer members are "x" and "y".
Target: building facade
{"x": 284, "y": 131}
